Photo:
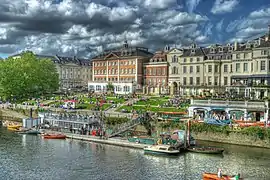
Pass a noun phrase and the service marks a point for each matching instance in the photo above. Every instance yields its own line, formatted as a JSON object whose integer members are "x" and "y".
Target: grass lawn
{"x": 153, "y": 109}
{"x": 152, "y": 102}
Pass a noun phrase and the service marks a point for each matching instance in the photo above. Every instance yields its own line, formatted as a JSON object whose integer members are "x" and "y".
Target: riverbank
{"x": 232, "y": 138}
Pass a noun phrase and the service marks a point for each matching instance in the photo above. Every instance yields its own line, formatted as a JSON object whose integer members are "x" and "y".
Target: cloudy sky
{"x": 85, "y": 27}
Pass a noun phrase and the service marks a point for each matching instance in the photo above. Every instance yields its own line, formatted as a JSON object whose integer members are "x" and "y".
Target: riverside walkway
{"x": 110, "y": 141}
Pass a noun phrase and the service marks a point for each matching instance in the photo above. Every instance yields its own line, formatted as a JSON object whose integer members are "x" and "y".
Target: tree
{"x": 27, "y": 76}
{"x": 110, "y": 87}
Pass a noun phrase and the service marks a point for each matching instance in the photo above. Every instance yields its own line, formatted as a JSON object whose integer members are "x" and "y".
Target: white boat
{"x": 161, "y": 149}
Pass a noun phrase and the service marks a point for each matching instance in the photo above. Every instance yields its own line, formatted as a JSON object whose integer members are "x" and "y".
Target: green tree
{"x": 27, "y": 76}
{"x": 110, "y": 87}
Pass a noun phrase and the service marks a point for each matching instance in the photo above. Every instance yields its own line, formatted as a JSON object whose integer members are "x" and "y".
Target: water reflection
{"x": 31, "y": 157}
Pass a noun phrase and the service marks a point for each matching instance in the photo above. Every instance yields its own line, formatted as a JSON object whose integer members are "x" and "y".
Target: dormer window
{"x": 221, "y": 49}
{"x": 193, "y": 46}
{"x": 230, "y": 48}
{"x": 192, "y": 51}
{"x": 212, "y": 50}
{"x": 228, "y": 44}
{"x": 248, "y": 46}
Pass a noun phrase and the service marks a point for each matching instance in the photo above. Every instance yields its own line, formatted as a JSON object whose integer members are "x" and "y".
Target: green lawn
{"x": 151, "y": 108}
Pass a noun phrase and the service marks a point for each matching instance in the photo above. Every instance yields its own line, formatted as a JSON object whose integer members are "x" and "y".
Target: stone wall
{"x": 232, "y": 138}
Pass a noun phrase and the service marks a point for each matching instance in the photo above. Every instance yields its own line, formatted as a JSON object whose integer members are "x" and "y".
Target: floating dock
{"x": 110, "y": 141}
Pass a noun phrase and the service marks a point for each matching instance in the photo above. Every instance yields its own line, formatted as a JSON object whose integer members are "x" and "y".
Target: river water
{"x": 26, "y": 157}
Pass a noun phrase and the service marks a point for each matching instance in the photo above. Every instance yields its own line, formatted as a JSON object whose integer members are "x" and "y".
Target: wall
{"x": 232, "y": 138}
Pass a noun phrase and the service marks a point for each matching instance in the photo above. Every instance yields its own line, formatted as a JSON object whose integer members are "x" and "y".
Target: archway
{"x": 175, "y": 88}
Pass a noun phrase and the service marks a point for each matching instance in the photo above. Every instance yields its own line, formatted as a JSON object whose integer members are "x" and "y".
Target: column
{"x": 245, "y": 115}
{"x": 107, "y": 70}
{"x": 118, "y": 67}
{"x": 136, "y": 70}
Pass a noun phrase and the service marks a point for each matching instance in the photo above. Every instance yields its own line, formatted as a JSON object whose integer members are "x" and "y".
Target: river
{"x": 26, "y": 157}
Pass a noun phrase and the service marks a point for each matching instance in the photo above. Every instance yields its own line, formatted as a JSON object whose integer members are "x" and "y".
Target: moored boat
{"x": 54, "y": 136}
{"x": 161, "y": 149}
{"x": 213, "y": 176}
{"x": 206, "y": 150}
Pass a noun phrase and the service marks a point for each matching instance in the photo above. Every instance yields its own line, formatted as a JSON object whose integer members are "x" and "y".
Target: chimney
{"x": 235, "y": 45}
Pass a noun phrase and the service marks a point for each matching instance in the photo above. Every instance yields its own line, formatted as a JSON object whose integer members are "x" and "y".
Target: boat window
{"x": 162, "y": 148}
{"x": 170, "y": 149}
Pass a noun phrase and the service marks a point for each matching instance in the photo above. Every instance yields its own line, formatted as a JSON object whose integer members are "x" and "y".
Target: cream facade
{"x": 173, "y": 58}
{"x": 238, "y": 70}
{"x": 74, "y": 73}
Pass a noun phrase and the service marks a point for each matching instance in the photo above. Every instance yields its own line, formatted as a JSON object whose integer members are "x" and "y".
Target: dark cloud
{"x": 84, "y": 28}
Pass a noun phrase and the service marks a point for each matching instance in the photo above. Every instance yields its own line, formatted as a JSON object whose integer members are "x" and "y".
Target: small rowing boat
{"x": 206, "y": 150}
{"x": 212, "y": 176}
{"x": 161, "y": 149}
{"x": 54, "y": 136}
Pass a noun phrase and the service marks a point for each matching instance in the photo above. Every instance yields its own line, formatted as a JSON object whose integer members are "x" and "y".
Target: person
{"x": 219, "y": 174}
{"x": 237, "y": 177}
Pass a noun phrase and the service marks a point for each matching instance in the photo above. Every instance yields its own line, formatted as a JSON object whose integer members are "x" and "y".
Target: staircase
{"x": 126, "y": 126}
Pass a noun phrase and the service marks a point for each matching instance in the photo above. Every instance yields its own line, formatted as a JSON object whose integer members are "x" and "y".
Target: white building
{"x": 119, "y": 88}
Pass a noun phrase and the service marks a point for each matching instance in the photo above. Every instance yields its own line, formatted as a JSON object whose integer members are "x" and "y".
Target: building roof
{"x": 198, "y": 51}
{"x": 62, "y": 59}
{"x": 124, "y": 52}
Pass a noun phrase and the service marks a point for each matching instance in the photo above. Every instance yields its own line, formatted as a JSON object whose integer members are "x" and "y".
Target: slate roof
{"x": 62, "y": 59}
{"x": 197, "y": 52}
{"x": 125, "y": 52}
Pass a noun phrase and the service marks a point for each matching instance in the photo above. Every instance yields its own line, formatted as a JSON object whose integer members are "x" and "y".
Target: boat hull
{"x": 160, "y": 152}
{"x": 212, "y": 176}
{"x": 54, "y": 136}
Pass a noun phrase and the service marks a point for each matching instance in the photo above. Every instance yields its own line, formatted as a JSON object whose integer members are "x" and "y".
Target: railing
{"x": 126, "y": 126}
{"x": 220, "y": 103}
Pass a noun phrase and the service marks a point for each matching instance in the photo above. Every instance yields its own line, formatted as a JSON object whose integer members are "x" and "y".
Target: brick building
{"x": 122, "y": 67}
{"x": 156, "y": 74}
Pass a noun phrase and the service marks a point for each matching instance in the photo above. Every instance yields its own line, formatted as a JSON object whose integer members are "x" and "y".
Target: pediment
{"x": 111, "y": 56}
{"x": 175, "y": 51}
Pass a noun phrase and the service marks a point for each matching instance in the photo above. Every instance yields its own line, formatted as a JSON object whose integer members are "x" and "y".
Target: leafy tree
{"x": 27, "y": 76}
{"x": 110, "y": 87}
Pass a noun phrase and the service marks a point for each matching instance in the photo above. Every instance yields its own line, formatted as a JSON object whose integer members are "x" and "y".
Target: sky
{"x": 84, "y": 28}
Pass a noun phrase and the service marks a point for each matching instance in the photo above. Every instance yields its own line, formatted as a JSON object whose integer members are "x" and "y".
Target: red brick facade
{"x": 122, "y": 65}
{"x": 156, "y": 71}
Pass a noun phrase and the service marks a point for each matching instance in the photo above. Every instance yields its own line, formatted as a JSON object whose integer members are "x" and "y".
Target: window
{"x": 237, "y": 69}
{"x": 212, "y": 50}
{"x": 197, "y": 69}
{"x": 231, "y": 68}
{"x": 237, "y": 56}
{"x": 264, "y": 52}
{"x": 198, "y": 59}
{"x": 98, "y": 88}
{"x": 225, "y": 81}
{"x": 191, "y": 69}
{"x": 174, "y": 58}
{"x": 216, "y": 68}
{"x": 154, "y": 71}
{"x": 184, "y": 69}
{"x": 245, "y": 67}
{"x": 216, "y": 80}
{"x": 191, "y": 59}
{"x": 184, "y": 80}
{"x": 174, "y": 70}
{"x": 191, "y": 80}
{"x": 209, "y": 68}
{"x": 185, "y": 60}
{"x": 245, "y": 55}
{"x": 262, "y": 65}
{"x": 197, "y": 80}
{"x": 158, "y": 71}
{"x": 163, "y": 71}
{"x": 251, "y": 67}
{"x": 210, "y": 81}
{"x": 225, "y": 68}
